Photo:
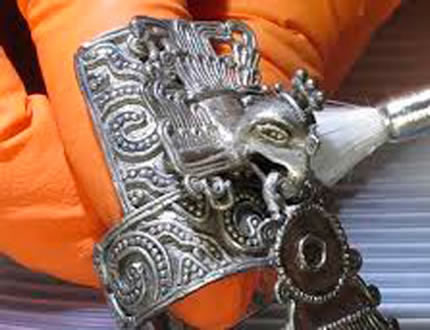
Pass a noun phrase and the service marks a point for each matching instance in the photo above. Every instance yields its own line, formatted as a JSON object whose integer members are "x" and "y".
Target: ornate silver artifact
{"x": 218, "y": 174}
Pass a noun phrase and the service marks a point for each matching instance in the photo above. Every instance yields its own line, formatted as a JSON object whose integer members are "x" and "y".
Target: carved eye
{"x": 273, "y": 133}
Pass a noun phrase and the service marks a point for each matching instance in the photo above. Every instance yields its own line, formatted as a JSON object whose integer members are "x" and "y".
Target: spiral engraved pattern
{"x": 137, "y": 261}
{"x": 242, "y": 222}
{"x": 158, "y": 94}
{"x": 140, "y": 83}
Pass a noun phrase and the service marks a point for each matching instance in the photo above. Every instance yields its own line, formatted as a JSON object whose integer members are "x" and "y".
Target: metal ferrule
{"x": 408, "y": 116}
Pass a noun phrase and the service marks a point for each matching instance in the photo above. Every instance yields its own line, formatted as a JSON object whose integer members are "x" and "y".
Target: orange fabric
{"x": 56, "y": 196}
{"x": 228, "y": 298}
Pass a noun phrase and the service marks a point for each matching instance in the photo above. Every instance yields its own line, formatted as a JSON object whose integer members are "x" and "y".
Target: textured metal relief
{"x": 318, "y": 275}
{"x": 213, "y": 171}
{"x": 149, "y": 88}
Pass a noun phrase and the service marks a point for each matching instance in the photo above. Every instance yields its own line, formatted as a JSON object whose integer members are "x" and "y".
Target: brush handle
{"x": 408, "y": 116}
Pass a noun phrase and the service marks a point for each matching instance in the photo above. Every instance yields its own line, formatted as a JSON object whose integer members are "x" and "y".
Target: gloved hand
{"x": 56, "y": 195}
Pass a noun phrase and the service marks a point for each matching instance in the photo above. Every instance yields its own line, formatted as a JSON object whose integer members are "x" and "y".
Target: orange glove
{"x": 56, "y": 195}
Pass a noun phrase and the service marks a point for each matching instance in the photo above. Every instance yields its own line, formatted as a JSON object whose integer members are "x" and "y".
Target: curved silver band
{"x": 206, "y": 160}
{"x": 184, "y": 225}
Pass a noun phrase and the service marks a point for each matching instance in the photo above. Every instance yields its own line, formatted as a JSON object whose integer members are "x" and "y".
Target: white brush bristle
{"x": 348, "y": 134}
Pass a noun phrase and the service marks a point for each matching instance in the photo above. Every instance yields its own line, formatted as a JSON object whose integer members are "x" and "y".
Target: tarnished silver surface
{"x": 190, "y": 137}
{"x": 215, "y": 175}
{"x": 318, "y": 277}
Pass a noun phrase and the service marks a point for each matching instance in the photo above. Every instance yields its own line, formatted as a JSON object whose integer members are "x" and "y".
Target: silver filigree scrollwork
{"x": 208, "y": 164}
{"x": 151, "y": 88}
{"x": 243, "y": 223}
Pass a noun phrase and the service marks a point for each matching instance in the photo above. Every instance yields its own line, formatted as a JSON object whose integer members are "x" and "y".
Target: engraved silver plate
{"x": 208, "y": 163}
{"x": 165, "y": 106}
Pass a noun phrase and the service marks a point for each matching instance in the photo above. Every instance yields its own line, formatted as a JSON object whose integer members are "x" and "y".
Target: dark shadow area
{"x": 22, "y": 289}
{"x": 16, "y": 40}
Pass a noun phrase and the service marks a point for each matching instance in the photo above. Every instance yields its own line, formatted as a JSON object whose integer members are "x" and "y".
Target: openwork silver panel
{"x": 213, "y": 171}
{"x": 149, "y": 87}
